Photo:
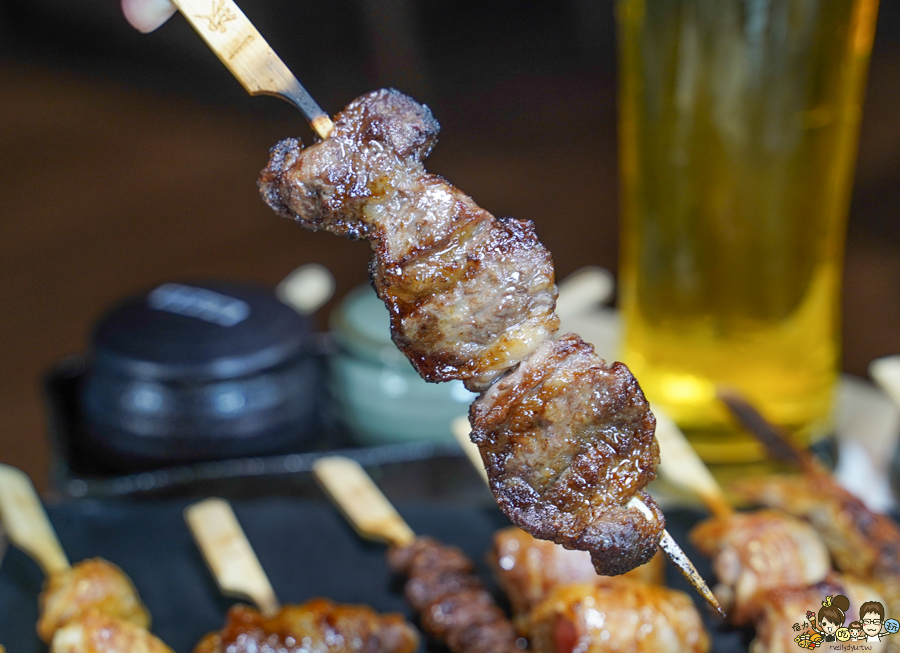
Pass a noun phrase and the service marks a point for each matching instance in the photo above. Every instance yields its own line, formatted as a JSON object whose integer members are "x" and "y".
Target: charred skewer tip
{"x": 678, "y": 557}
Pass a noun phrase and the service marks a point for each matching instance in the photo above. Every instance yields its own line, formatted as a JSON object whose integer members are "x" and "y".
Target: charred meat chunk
{"x": 568, "y": 442}
{"x": 469, "y": 295}
{"x": 317, "y": 626}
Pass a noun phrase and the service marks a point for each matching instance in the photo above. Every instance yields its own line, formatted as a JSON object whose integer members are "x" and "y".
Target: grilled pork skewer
{"x": 528, "y": 568}
{"x": 91, "y": 607}
{"x": 862, "y": 543}
{"x": 616, "y": 614}
{"x": 318, "y": 624}
{"x": 470, "y": 297}
{"x": 776, "y": 563}
{"x": 453, "y": 605}
{"x": 567, "y": 439}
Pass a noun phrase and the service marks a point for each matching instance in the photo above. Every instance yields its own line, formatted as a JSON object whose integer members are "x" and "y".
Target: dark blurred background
{"x": 127, "y": 160}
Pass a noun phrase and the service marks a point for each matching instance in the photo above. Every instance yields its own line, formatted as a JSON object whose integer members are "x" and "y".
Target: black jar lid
{"x": 198, "y": 331}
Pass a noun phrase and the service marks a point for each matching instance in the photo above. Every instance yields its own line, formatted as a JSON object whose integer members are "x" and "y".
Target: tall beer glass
{"x": 738, "y": 132}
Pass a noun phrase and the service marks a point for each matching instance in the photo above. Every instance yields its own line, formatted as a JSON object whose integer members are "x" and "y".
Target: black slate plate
{"x": 305, "y": 546}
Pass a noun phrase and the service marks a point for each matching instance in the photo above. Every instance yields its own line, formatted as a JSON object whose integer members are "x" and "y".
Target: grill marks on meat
{"x": 469, "y": 295}
{"x": 474, "y": 307}
{"x": 567, "y": 439}
{"x": 452, "y": 603}
{"x": 317, "y": 626}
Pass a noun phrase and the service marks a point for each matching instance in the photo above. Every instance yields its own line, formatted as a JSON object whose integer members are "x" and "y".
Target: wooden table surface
{"x": 132, "y": 160}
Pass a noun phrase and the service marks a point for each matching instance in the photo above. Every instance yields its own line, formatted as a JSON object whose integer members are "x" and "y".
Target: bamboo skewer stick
{"x": 26, "y": 523}
{"x": 460, "y": 429}
{"x": 681, "y": 466}
{"x": 229, "y": 555}
{"x": 885, "y": 372}
{"x": 771, "y": 437}
{"x": 360, "y": 501}
{"x": 243, "y": 50}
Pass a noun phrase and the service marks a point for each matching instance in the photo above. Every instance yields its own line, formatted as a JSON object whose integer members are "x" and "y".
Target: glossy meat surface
{"x": 567, "y": 441}
{"x": 90, "y": 585}
{"x": 96, "y": 632}
{"x": 618, "y": 615}
{"x": 528, "y": 569}
{"x": 317, "y": 626}
{"x": 756, "y": 552}
{"x": 469, "y": 295}
{"x": 453, "y": 605}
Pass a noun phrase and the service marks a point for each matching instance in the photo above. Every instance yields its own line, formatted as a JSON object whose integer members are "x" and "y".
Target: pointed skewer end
{"x": 674, "y": 552}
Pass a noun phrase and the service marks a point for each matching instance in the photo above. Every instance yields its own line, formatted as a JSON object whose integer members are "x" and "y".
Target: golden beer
{"x": 738, "y": 129}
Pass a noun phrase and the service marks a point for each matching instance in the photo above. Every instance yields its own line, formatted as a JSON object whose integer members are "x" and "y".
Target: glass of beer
{"x": 738, "y": 131}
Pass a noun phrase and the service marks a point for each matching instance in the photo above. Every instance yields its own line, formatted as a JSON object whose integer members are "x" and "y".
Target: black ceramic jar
{"x": 201, "y": 371}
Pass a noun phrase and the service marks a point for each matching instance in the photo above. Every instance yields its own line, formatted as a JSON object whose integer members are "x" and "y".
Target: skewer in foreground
{"x": 319, "y": 624}
{"x": 863, "y": 544}
{"x": 772, "y": 566}
{"x": 441, "y": 586}
{"x": 567, "y": 438}
{"x": 92, "y": 606}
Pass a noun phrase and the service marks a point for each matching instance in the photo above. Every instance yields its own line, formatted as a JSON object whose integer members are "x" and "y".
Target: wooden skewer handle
{"x": 243, "y": 50}
{"x": 885, "y": 372}
{"x": 681, "y": 466}
{"x": 361, "y": 502}
{"x": 229, "y": 555}
{"x": 26, "y": 523}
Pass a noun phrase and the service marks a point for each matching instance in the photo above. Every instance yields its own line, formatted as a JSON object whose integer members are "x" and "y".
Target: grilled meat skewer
{"x": 452, "y": 603}
{"x": 441, "y": 585}
{"x": 617, "y": 614}
{"x": 567, "y": 439}
{"x": 756, "y": 552}
{"x": 317, "y": 626}
{"x": 93, "y": 585}
{"x": 528, "y": 569}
